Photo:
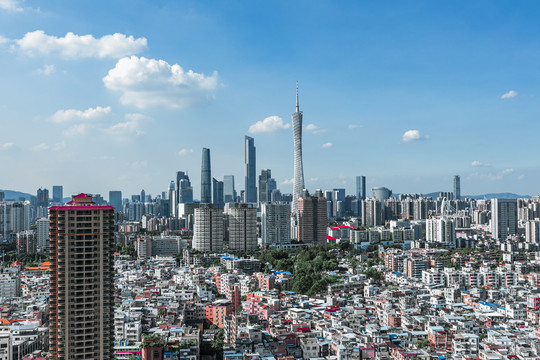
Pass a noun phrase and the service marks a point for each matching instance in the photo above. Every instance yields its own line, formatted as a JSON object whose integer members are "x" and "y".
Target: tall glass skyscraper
{"x": 361, "y": 187}
{"x": 457, "y": 187}
{"x": 298, "y": 186}
{"x": 229, "y": 193}
{"x": 250, "y": 167}
{"x": 206, "y": 178}
{"x": 58, "y": 193}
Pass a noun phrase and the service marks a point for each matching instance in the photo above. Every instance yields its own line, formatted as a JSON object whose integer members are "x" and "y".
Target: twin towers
{"x": 250, "y": 194}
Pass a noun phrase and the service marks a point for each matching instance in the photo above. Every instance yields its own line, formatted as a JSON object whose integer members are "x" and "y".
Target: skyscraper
{"x": 208, "y": 228}
{"x": 217, "y": 193}
{"x": 57, "y": 193}
{"x": 229, "y": 193}
{"x": 266, "y": 174}
{"x": 250, "y": 170}
{"x": 361, "y": 187}
{"x": 312, "y": 219}
{"x": 184, "y": 191}
{"x": 81, "y": 290}
{"x": 504, "y": 218}
{"x": 242, "y": 227}
{"x": 298, "y": 186}
{"x": 42, "y": 202}
{"x": 206, "y": 177}
{"x": 457, "y": 188}
{"x": 115, "y": 199}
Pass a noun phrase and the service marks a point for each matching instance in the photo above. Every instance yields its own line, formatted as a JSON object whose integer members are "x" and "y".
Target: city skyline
{"x": 407, "y": 96}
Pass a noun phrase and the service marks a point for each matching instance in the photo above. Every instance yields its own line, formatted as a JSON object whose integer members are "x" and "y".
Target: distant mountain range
{"x": 15, "y": 195}
{"x": 486, "y": 196}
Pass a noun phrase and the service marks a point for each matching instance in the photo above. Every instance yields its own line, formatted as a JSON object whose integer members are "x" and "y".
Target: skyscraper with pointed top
{"x": 298, "y": 186}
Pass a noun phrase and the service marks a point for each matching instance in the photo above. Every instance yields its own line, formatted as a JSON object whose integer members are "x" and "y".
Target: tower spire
{"x": 297, "y": 105}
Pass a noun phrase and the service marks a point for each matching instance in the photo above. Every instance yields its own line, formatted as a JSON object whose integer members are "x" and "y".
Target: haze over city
{"x": 121, "y": 95}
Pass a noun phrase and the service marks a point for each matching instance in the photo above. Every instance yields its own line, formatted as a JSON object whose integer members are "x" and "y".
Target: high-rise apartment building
{"x": 504, "y": 219}
{"x": 266, "y": 175}
{"x": 276, "y": 223}
{"x": 242, "y": 227}
{"x": 206, "y": 177}
{"x": 457, "y": 187}
{"x": 115, "y": 199}
{"x": 250, "y": 170}
{"x": 26, "y": 242}
{"x": 312, "y": 219}
{"x": 57, "y": 194}
{"x": 298, "y": 186}
{"x": 81, "y": 282}
{"x": 208, "y": 228}
{"x": 532, "y": 231}
{"x": 441, "y": 230}
{"x": 43, "y": 231}
{"x": 229, "y": 193}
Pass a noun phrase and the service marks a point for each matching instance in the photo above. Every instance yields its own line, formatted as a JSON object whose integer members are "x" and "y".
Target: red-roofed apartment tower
{"x": 81, "y": 291}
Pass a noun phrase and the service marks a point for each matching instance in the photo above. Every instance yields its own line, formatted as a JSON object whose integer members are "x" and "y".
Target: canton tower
{"x": 298, "y": 186}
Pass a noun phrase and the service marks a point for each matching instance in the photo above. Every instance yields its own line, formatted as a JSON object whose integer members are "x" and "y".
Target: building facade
{"x": 312, "y": 219}
{"x": 242, "y": 227}
{"x": 250, "y": 195}
{"x": 82, "y": 288}
{"x": 206, "y": 177}
{"x": 298, "y": 186}
{"x": 208, "y": 229}
{"x": 504, "y": 219}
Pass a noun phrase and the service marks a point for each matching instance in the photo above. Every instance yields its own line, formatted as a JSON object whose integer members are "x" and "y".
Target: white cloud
{"x": 47, "y": 70}
{"x": 10, "y": 5}
{"x": 80, "y": 115}
{"x": 85, "y": 46}
{"x": 6, "y": 146}
{"x": 413, "y": 135}
{"x": 520, "y": 177}
{"x": 183, "y": 152}
{"x": 40, "y": 147}
{"x": 508, "y": 171}
{"x": 127, "y": 128}
{"x": 148, "y": 82}
{"x": 327, "y": 145}
{"x": 77, "y": 129}
{"x": 59, "y": 146}
{"x": 354, "y": 126}
{"x": 314, "y": 129}
{"x": 3, "y": 40}
{"x": 269, "y": 125}
{"x": 288, "y": 182}
{"x": 509, "y": 95}
{"x": 477, "y": 163}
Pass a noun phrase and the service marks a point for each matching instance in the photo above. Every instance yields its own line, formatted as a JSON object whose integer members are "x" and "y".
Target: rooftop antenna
{"x": 297, "y": 105}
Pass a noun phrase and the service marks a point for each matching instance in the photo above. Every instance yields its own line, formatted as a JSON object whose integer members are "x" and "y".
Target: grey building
{"x": 504, "y": 219}
{"x": 206, "y": 177}
{"x": 217, "y": 193}
{"x": 266, "y": 175}
{"x": 57, "y": 193}
{"x": 229, "y": 192}
{"x": 276, "y": 223}
{"x": 208, "y": 229}
{"x": 115, "y": 199}
{"x": 242, "y": 227}
{"x": 250, "y": 171}
{"x": 457, "y": 187}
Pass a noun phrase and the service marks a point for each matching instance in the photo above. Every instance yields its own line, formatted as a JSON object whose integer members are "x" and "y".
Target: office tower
{"x": 441, "y": 230}
{"x": 43, "y": 231}
{"x": 20, "y": 216}
{"x": 298, "y": 186}
{"x": 42, "y": 202}
{"x": 276, "y": 223}
{"x": 229, "y": 193}
{"x": 457, "y": 187}
{"x": 115, "y": 199}
{"x": 503, "y": 218}
{"x": 361, "y": 187}
{"x": 250, "y": 171}
{"x": 208, "y": 228}
{"x": 136, "y": 198}
{"x": 81, "y": 278}
{"x": 172, "y": 200}
{"x": 312, "y": 219}
{"x": 275, "y": 196}
{"x": 381, "y": 193}
{"x": 206, "y": 178}
{"x": 58, "y": 194}
{"x": 143, "y": 196}
{"x": 184, "y": 190}
{"x": 339, "y": 201}
{"x": 2, "y": 196}
{"x": 217, "y": 193}
{"x": 242, "y": 227}
{"x": 266, "y": 174}
{"x": 271, "y": 185}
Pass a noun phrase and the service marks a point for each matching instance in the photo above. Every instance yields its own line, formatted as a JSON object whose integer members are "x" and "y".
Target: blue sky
{"x": 406, "y": 93}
